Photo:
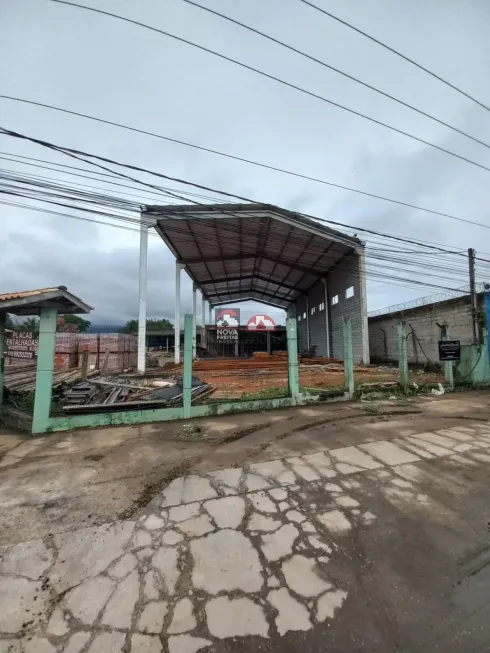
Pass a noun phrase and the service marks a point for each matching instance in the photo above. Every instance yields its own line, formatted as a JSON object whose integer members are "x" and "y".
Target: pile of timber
{"x": 106, "y": 394}
{"x": 23, "y": 378}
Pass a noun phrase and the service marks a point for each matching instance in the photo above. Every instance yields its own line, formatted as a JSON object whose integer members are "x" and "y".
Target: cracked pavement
{"x": 333, "y": 548}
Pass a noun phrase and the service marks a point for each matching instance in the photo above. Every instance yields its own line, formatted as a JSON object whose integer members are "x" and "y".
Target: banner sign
{"x": 227, "y": 323}
{"x": 449, "y": 350}
{"x": 261, "y": 323}
{"x": 22, "y": 345}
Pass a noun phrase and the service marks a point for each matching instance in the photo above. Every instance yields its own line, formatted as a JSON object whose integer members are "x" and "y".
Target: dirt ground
{"x": 338, "y": 527}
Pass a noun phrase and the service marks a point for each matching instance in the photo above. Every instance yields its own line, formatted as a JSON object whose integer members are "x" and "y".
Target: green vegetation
{"x": 266, "y": 393}
{"x": 131, "y": 326}
{"x": 30, "y": 324}
{"x": 72, "y": 323}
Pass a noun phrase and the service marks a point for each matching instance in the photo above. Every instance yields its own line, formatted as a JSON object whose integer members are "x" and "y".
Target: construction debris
{"x": 106, "y": 394}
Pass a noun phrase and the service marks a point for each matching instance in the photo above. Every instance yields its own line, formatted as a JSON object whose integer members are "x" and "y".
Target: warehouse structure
{"x": 240, "y": 252}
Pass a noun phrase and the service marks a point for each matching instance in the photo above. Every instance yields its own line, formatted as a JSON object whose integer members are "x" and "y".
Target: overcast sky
{"x": 90, "y": 63}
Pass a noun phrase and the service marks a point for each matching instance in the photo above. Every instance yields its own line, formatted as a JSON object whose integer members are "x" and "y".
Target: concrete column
{"x": 44, "y": 371}
{"x": 307, "y": 324}
{"x": 3, "y": 319}
{"x": 348, "y": 358}
{"x": 292, "y": 339}
{"x": 203, "y": 322}
{"x": 143, "y": 282}
{"x": 402, "y": 356}
{"x": 487, "y": 315}
{"x": 178, "y": 268}
{"x": 187, "y": 376}
{"x": 194, "y": 321}
{"x": 364, "y": 315}
{"x": 327, "y": 315}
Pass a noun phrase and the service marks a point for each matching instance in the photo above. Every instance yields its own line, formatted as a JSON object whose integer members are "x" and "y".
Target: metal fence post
{"x": 402, "y": 356}
{"x": 348, "y": 358}
{"x": 292, "y": 338}
{"x": 448, "y": 365}
{"x": 487, "y": 316}
{"x": 187, "y": 376}
{"x": 45, "y": 367}
{"x": 3, "y": 319}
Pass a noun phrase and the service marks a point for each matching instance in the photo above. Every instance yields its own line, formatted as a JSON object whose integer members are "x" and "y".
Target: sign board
{"x": 261, "y": 323}
{"x": 22, "y": 345}
{"x": 449, "y": 350}
{"x": 227, "y": 323}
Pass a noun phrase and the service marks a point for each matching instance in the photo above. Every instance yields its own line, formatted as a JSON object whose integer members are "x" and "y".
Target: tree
{"x": 131, "y": 326}
{"x": 72, "y": 324}
{"x": 30, "y": 324}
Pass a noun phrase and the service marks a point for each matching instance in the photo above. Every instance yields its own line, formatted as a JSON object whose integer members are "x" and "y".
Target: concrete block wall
{"x": 345, "y": 275}
{"x": 422, "y": 330}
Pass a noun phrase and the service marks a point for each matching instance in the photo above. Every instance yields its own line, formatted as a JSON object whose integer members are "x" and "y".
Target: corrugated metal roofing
{"x": 235, "y": 252}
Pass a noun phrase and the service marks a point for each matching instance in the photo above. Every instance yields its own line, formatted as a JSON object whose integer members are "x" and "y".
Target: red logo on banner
{"x": 228, "y": 318}
{"x": 261, "y": 323}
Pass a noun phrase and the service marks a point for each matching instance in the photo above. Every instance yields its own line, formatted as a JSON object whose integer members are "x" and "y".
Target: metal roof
{"x": 29, "y": 302}
{"x": 236, "y": 252}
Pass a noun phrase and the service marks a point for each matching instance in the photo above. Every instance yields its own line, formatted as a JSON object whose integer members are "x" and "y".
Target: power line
{"x": 243, "y": 160}
{"x": 77, "y": 153}
{"x": 398, "y": 54}
{"x": 272, "y": 77}
{"x": 337, "y": 70}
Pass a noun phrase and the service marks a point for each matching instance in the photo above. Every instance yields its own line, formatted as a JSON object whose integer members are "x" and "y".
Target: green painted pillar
{"x": 45, "y": 367}
{"x": 292, "y": 337}
{"x": 187, "y": 377}
{"x": 3, "y": 319}
{"x": 348, "y": 358}
{"x": 402, "y": 356}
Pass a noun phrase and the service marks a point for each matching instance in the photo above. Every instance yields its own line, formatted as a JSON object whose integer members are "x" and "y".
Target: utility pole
{"x": 471, "y": 265}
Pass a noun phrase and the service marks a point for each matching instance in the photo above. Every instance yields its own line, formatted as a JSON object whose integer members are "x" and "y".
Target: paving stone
{"x": 124, "y": 566}
{"x": 301, "y": 577}
{"x": 197, "y": 526}
{"x": 316, "y": 543}
{"x": 165, "y": 561}
{"x": 186, "y": 644}
{"x": 278, "y": 493}
{"x": 119, "y": 610}
{"x": 329, "y": 603}
{"x": 154, "y": 523}
{"x": 144, "y": 554}
{"x": 237, "y": 617}
{"x": 38, "y": 645}
{"x": 108, "y": 643}
{"x": 292, "y": 614}
{"x": 145, "y": 644}
{"x": 57, "y": 624}
{"x": 321, "y": 463}
{"x": 188, "y": 489}
{"x": 150, "y": 587}
{"x": 284, "y": 505}
{"x": 76, "y": 643}
{"x": 295, "y": 516}
{"x": 272, "y": 581}
{"x": 171, "y": 538}
{"x": 230, "y": 476}
{"x": 354, "y": 456}
{"x": 262, "y": 502}
{"x": 279, "y": 544}
{"x": 335, "y": 521}
{"x": 19, "y": 598}
{"x": 269, "y": 469}
{"x": 87, "y": 552}
{"x": 152, "y": 617}
{"x": 301, "y": 469}
{"x": 225, "y": 561}
{"x": 254, "y": 482}
{"x": 87, "y": 600}
{"x": 183, "y": 618}
{"x": 30, "y": 559}
{"x": 308, "y": 527}
{"x": 227, "y": 512}
{"x": 141, "y": 539}
{"x": 347, "y": 502}
{"x": 259, "y": 522}
{"x": 182, "y": 513}
{"x": 389, "y": 453}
